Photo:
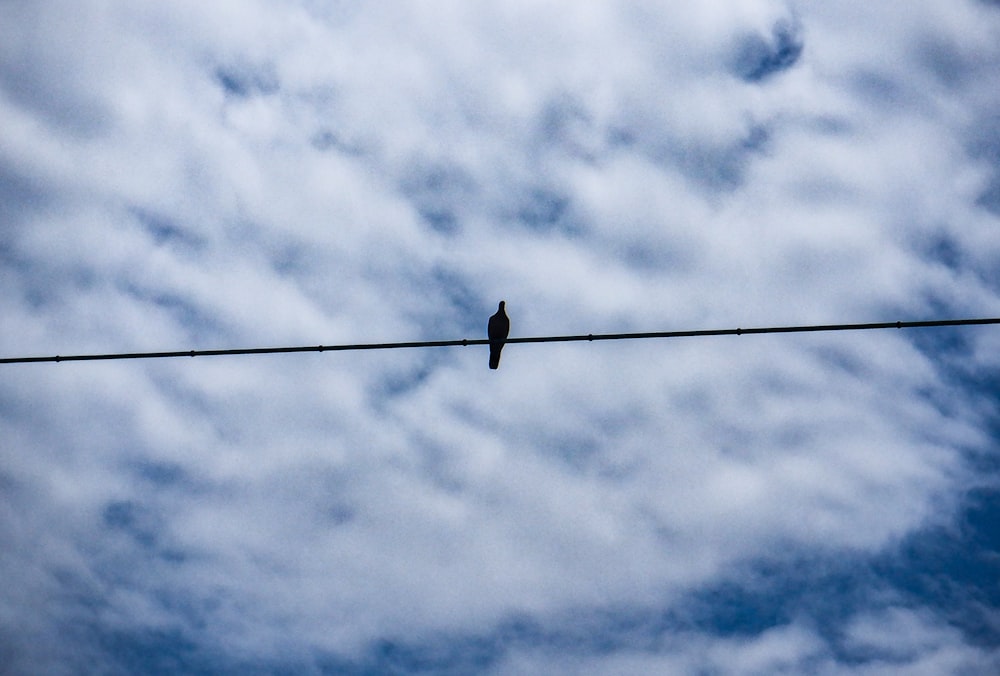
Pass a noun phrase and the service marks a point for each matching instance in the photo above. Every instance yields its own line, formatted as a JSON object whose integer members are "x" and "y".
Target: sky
{"x": 192, "y": 175}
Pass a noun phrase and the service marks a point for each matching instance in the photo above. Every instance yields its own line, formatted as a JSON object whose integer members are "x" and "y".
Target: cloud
{"x": 244, "y": 174}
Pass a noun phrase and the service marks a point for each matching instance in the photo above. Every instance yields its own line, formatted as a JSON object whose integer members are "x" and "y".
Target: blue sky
{"x": 234, "y": 174}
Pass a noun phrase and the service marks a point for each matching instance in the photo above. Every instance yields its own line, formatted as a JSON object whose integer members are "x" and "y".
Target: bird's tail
{"x": 494, "y": 357}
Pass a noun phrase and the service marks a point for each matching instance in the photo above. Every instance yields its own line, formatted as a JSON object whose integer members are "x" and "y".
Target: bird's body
{"x": 497, "y": 330}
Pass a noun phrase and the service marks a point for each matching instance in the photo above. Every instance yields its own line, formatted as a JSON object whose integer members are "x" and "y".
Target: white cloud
{"x": 782, "y": 650}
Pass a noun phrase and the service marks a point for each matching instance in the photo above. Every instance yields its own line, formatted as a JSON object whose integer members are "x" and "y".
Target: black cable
{"x": 484, "y": 341}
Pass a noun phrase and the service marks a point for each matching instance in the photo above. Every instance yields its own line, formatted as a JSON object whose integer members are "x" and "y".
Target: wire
{"x": 484, "y": 341}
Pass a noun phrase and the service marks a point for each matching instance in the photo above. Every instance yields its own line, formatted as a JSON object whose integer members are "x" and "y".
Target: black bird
{"x": 497, "y": 330}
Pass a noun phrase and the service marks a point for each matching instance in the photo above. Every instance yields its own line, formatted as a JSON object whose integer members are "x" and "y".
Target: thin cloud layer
{"x": 199, "y": 176}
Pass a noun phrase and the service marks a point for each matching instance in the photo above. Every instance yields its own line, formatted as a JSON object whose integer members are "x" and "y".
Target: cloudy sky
{"x": 204, "y": 175}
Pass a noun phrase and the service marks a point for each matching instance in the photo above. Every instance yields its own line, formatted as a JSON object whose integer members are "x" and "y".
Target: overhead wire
{"x": 590, "y": 337}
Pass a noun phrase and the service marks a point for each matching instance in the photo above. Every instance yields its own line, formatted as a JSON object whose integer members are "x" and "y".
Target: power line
{"x": 484, "y": 341}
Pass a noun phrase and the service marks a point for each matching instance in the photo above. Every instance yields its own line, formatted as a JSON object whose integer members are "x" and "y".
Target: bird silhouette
{"x": 497, "y": 330}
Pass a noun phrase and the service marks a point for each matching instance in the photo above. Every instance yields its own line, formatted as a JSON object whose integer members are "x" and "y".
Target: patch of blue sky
{"x": 946, "y": 59}
{"x": 63, "y": 102}
{"x": 457, "y": 313}
{"x": 467, "y": 308}
{"x": 162, "y": 475}
{"x": 882, "y": 89}
{"x": 158, "y": 651}
{"x": 165, "y": 230}
{"x": 49, "y": 287}
{"x": 448, "y": 657}
{"x": 442, "y": 655}
{"x": 946, "y": 342}
{"x": 330, "y": 140}
{"x": 197, "y": 322}
{"x": 954, "y": 571}
{"x": 945, "y": 250}
{"x": 177, "y": 650}
{"x": 587, "y": 633}
{"x": 984, "y": 145}
{"x": 131, "y": 518}
{"x": 21, "y": 193}
{"x": 565, "y": 123}
{"x": 547, "y": 210}
{"x": 291, "y": 259}
{"x": 619, "y": 136}
{"x": 643, "y": 256}
{"x": 714, "y": 166}
{"x": 725, "y": 167}
{"x": 400, "y": 382}
{"x": 951, "y": 351}
{"x": 969, "y": 389}
{"x": 244, "y": 81}
{"x": 989, "y": 198}
{"x": 758, "y": 58}
{"x": 144, "y": 525}
{"x": 441, "y": 193}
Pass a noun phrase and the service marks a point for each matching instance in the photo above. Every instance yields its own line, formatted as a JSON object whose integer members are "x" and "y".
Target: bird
{"x": 497, "y": 330}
